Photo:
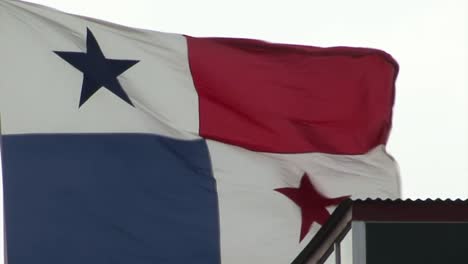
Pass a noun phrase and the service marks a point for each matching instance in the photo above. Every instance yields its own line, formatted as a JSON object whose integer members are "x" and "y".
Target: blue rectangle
{"x": 109, "y": 198}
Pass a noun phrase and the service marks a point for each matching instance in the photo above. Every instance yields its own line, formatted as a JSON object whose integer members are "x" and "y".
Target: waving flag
{"x": 122, "y": 145}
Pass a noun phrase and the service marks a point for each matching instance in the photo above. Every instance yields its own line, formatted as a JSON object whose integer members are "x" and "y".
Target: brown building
{"x": 386, "y": 231}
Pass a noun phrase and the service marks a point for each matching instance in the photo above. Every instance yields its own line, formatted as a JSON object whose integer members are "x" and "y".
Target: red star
{"x": 312, "y": 203}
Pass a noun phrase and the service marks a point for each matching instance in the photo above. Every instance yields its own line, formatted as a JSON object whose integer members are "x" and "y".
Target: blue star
{"x": 98, "y": 71}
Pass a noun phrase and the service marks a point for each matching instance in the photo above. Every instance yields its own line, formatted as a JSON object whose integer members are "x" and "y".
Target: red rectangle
{"x": 290, "y": 98}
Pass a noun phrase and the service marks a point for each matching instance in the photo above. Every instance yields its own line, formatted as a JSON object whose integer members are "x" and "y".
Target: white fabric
{"x": 255, "y": 218}
{"x": 42, "y": 101}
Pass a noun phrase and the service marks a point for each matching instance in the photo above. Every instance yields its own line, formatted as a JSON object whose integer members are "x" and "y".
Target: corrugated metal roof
{"x": 385, "y": 210}
{"x": 408, "y": 210}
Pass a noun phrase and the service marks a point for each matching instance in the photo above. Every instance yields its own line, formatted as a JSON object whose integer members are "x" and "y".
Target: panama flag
{"x": 122, "y": 145}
